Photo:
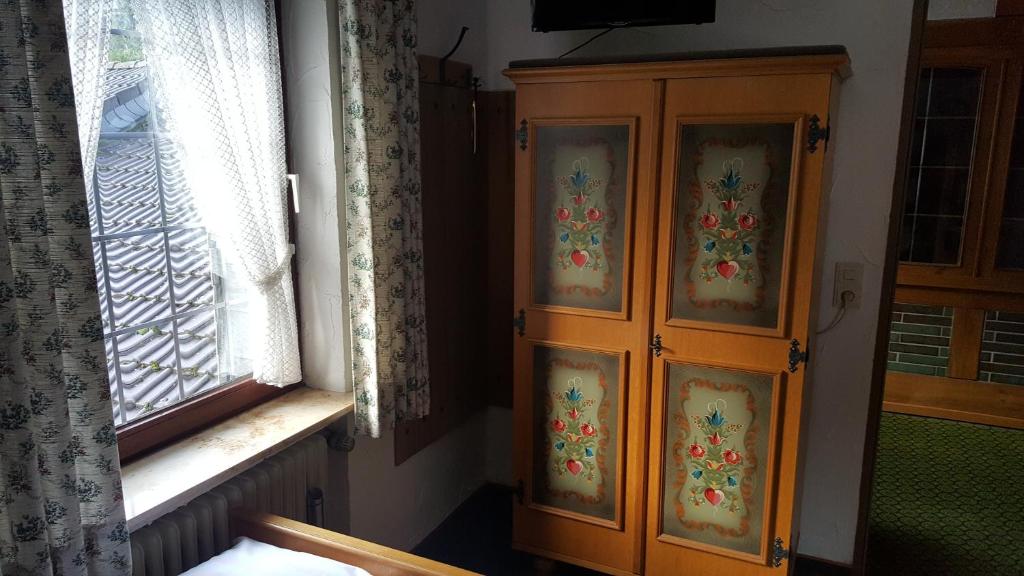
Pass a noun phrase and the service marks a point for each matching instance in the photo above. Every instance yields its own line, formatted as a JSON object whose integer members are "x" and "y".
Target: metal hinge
{"x": 779, "y": 553}
{"x": 520, "y": 491}
{"x": 815, "y": 134}
{"x": 523, "y": 134}
{"x": 519, "y": 322}
{"x": 796, "y": 356}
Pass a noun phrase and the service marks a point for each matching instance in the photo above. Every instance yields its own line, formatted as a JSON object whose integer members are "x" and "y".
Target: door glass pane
{"x": 580, "y": 216}
{"x": 576, "y": 414}
{"x": 733, "y": 187}
{"x": 1011, "y": 237}
{"x": 940, "y": 165}
{"x": 717, "y": 432}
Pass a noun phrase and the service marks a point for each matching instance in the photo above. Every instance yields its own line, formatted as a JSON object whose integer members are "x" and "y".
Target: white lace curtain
{"x": 216, "y": 66}
{"x": 88, "y": 38}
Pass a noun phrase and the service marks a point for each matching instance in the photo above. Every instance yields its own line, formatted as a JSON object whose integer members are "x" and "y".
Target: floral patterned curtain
{"x": 380, "y": 92}
{"x": 61, "y": 508}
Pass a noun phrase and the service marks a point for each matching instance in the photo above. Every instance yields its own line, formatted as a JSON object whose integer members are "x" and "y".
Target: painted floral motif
{"x": 579, "y": 224}
{"x": 715, "y": 462}
{"x": 575, "y": 436}
{"x": 729, "y": 234}
{"x": 715, "y": 491}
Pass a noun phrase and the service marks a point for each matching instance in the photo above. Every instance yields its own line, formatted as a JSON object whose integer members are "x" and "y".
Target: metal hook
{"x": 444, "y": 59}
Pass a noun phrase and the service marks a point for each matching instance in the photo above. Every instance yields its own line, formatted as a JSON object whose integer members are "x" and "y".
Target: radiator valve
{"x": 340, "y": 441}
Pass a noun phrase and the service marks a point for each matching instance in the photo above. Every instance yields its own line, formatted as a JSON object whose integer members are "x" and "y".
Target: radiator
{"x": 289, "y": 484}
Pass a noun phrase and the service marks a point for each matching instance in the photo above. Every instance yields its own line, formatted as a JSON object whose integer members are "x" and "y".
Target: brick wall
{"x": 1002, "y": 348}
{"x": 919, "y": 339}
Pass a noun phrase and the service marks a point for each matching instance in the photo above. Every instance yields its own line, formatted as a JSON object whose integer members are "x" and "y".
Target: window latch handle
{"x": 293, "y": 180}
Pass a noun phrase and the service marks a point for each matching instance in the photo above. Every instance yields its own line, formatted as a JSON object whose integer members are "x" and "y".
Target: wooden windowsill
{"x": 184, "y": 419}
{"x": 170, "y": 477}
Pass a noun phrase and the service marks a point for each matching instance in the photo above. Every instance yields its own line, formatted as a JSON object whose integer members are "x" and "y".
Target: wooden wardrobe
{"x": 668, "y": 242}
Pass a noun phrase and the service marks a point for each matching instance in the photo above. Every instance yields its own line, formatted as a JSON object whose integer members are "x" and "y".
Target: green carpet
{"x": 948, "y": 499}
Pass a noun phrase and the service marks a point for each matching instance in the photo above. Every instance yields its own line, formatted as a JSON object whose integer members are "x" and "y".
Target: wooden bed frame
{"x": 376, "y": 559}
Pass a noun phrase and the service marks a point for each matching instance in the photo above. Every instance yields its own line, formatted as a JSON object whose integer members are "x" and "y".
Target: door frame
{"x": 889, "y": 272}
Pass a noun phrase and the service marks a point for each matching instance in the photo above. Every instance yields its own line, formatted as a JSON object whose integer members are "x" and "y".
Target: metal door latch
{"x": 656, "y": 345}
{"x": 519, "y": 322}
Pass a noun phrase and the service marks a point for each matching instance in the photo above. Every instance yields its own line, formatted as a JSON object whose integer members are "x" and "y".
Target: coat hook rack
{"x": 444, "y": 59}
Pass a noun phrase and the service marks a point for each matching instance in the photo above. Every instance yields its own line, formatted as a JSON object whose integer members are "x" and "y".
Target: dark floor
{"x": 478, "y": 537}
{"x": 948, "y": 499}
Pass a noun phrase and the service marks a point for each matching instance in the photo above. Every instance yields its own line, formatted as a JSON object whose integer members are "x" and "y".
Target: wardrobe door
{"x": 738, "y": 226}
{"x": 583, "y": 212}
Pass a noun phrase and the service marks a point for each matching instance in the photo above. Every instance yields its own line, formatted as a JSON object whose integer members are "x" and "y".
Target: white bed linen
{"x": 251, "y": 558}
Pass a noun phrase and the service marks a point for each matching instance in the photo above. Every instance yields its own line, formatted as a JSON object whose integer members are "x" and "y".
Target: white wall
{"x": 499, "y": 468}
{"x": 439, "y": 22}
{"x": 399, "y": 506}
{"x": 312, "y": 128}
{"x": 952, "y": 9}
{"x": 876, "y": 33}
{"x": 369, "y": 496}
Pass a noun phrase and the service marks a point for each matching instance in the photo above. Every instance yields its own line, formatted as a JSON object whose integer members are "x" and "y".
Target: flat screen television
{"x": 551, "y": 15}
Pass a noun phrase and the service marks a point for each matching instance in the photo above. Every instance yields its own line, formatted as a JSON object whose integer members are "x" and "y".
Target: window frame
{"x": 1008, "y": 116}
{"x": 156, "y": 430}
{"x": 161, "y": 428}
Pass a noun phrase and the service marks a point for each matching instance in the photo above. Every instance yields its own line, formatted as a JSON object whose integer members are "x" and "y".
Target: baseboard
{"x": 811, "y": 566}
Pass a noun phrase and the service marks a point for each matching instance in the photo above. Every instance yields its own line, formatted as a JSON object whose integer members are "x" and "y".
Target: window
{"x": 172, "y": 306}
{"x": 940, "y": 171}
{"x": 176, "y": 303}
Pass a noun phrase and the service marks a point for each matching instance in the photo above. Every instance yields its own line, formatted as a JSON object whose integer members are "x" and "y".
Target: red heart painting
{"x": 714, "y": 497}
{"x": 580, "y": 257}
{"x": 574, "y": 466}
{"x": 727, "y": 269}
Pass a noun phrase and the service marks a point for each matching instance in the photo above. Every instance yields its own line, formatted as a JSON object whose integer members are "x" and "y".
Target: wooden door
{"x": 738, "y": 227}
{"x": 584, "y": 203}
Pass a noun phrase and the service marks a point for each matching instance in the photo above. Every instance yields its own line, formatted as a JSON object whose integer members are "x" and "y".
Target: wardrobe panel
{"x": 577, "y": 417}
{"x": 732, "y": 196}
{"x": 582, "y": 182}
{"x": 718, "y": 429}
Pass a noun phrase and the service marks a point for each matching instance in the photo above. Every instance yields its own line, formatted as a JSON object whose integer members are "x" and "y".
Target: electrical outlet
{"x": 849, "y": 278}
